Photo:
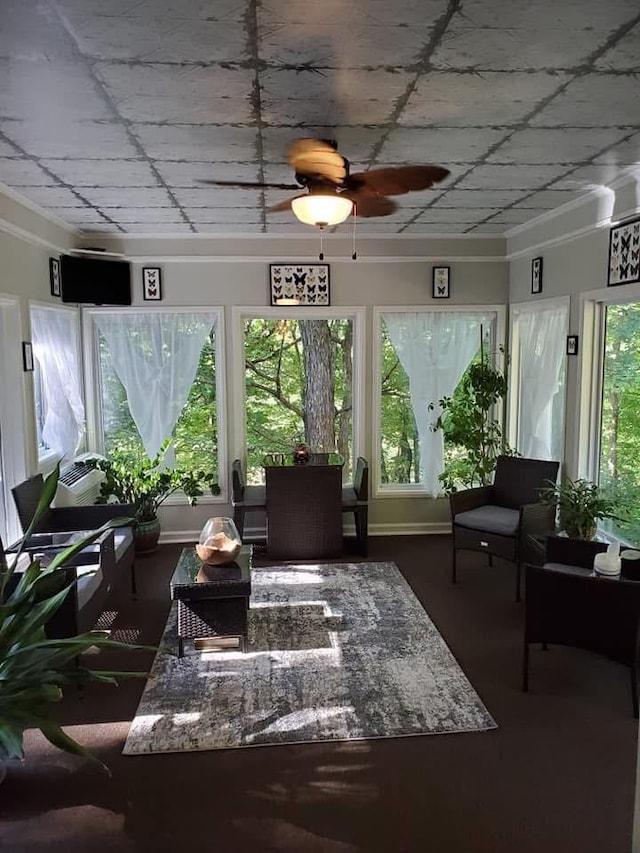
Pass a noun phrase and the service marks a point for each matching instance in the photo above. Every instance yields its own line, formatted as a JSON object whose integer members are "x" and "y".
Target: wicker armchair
{"x": 245, "y": 498}
{"x": 355, "y": 499}
{"x": 497, "y": 519}
{"x": 566, "y": 604}
{"x": 71, "y": 518}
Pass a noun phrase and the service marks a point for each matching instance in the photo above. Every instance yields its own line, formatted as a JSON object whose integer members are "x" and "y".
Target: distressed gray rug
{"x": 336, "y": 652}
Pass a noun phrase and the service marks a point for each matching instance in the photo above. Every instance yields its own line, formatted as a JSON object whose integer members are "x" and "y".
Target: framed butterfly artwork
{"x": 299, "y": 284}
{"x": 441, "y": 283}
{"x": 624, "y": 253}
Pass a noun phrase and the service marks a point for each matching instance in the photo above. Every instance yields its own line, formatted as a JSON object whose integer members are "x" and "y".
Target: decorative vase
{"x": 301, "y": 454}
{"x": 219, "y": 542}
{"x": 146, "y": 535}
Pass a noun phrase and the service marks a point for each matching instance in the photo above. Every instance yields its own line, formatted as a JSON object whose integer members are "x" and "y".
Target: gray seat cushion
{"x": 90, "y": 578}
{"x": 490, "y": 519}
{"x": 122, "y": 538}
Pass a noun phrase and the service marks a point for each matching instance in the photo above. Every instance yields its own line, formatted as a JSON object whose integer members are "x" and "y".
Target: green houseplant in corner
{"x": 580, "y": 504}
{"x": 143, "y": 483}
{"x": 469, "y": 425}
{"x": 34, "y": 669}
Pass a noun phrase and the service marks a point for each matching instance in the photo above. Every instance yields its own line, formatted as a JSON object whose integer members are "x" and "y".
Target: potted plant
{"x": 33, "y": 669}
{"x": 143, "y": 483}
{"x": 580, "y": 504}
{"x": 468, "y": 422}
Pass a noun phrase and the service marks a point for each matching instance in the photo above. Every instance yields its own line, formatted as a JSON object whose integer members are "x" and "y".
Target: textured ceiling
{"x": 112, "y": 111}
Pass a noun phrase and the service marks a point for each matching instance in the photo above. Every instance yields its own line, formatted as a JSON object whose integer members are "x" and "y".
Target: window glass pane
{"x": 541, "y": 336}
{"x": 58, "y": 394}
{"x": 299, "y": 387}
{"x": 399, "y": 437}
{"x": 618, "y": 466}
{"x": 195, "y": 435}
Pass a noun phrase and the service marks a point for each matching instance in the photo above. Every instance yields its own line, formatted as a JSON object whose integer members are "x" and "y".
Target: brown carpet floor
{"x": 557, "y": 775}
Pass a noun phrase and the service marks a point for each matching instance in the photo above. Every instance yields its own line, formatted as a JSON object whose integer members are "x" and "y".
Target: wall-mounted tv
{"x": 97, "y": 281}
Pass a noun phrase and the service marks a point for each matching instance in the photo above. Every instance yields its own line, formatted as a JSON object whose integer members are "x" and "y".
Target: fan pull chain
{"x": 321, "y": 255}
{"x": 354, "y": 256}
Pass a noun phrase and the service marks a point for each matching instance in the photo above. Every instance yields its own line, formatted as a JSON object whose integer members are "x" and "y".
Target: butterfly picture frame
{"x": 299, "y": 284}
{"x": 441, "y": 283}
{"x": 624, "y": 254}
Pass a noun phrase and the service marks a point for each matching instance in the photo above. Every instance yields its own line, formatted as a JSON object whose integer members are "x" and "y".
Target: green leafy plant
{"x": 33, "y": 669}
{"x": 580, "y": 504}
{"x": 468, "y": 422}
{"x": 141, "y": 482}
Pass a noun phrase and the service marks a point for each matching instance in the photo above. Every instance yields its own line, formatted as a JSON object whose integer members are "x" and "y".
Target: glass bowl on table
{"x": 219, "y": 542}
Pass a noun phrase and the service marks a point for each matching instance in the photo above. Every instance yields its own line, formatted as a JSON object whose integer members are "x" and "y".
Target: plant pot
{"x": 146, "y": 535}
{"x": 581, "y": 532}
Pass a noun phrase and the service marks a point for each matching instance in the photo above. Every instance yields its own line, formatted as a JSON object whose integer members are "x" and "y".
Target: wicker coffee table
{"x": 213, "y": 601}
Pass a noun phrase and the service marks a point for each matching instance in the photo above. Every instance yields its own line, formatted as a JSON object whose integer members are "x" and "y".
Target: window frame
{"x": 15, "y": 408}
{"x": 93, "y": 406}
{"x": 587, "y": 430}
{"x": 411, "y": 490}
{"x": 47, "y": 460}
{"x": 255, "y": 312}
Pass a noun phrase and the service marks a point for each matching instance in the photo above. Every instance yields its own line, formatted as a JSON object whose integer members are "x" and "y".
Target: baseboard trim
{"x": 169, "y": 537}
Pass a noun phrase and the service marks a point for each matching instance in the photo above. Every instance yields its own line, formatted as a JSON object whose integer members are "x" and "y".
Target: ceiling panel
{"x": 114, "y": 116}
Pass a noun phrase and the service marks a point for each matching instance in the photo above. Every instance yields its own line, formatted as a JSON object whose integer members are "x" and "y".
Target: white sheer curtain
{"x": 155, "y": 355}
{"x": 542, "y": 334}
{"x": 434, "y": 348}
{"x": 54, "y": 335}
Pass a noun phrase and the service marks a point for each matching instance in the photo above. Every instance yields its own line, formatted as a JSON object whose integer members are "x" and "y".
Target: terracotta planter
{"x": 146, "y": 535}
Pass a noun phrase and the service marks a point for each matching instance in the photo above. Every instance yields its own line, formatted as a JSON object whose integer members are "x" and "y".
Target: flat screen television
{"x": 96, "y": 281}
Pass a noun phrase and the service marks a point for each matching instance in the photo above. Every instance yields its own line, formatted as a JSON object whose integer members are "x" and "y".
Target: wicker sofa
{"x": 111, "y": 555}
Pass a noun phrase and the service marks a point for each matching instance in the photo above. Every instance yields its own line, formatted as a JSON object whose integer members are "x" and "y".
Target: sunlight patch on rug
{"x": 336, "y": 652}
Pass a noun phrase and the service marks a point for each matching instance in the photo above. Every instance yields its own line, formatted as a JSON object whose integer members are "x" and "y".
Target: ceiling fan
{"x": 332, "y": 192}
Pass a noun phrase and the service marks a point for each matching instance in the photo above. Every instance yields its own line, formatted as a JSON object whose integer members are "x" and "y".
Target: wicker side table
{"x": 213, "y": 601}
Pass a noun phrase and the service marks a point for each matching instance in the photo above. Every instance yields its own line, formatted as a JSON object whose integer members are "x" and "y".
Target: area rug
{"x": 336, "y": 652}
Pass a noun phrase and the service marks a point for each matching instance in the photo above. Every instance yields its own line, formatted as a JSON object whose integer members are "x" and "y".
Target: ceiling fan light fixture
{"x": 321, "y": 209}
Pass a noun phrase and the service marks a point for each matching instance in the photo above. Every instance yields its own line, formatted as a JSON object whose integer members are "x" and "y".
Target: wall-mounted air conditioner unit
{"x": 79, "y": 485}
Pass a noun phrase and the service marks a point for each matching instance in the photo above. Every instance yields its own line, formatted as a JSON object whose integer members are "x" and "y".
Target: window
{"x": 14, "y": 384}
{"x": 538, "y": 369}
{"x": 59, "y": 407}
{"x": 619, "y": 434}
{"x": 158, "y": 376}
{"x": 301, "y": 380}
{"x": 423, "y": 355}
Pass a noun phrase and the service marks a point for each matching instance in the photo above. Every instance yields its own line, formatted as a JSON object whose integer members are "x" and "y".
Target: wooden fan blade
{"x": 317, "y": 158}
{"x": 369, "y": 203}
{"x": 250, "y": 185}
{"x": 282, "y": 205}
{"x": 399, "y": 180}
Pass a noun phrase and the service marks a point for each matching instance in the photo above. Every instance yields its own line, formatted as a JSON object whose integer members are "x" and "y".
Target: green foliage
{"x": 133, "y": 479}
{"x": 620, "y": 433}
{"x": 194, "y": 438}
{"x": 468, "y": 422}
{"x": 276, "y": 410}
{"x": 581, "y": 503}
{"x": 33, "y": 669}
{"x": 400, "y": 455}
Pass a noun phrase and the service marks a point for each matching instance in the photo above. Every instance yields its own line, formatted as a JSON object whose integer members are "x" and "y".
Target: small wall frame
{"x": 152, "y": 284}
{"x": 536, "y": 275}
{"x": 441, "y": 283}
{"x": 572, "y": 345}
{"x": 55, "y": 284}
{"x": 27, "y": 356}
{"x": 299, "y": 284}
